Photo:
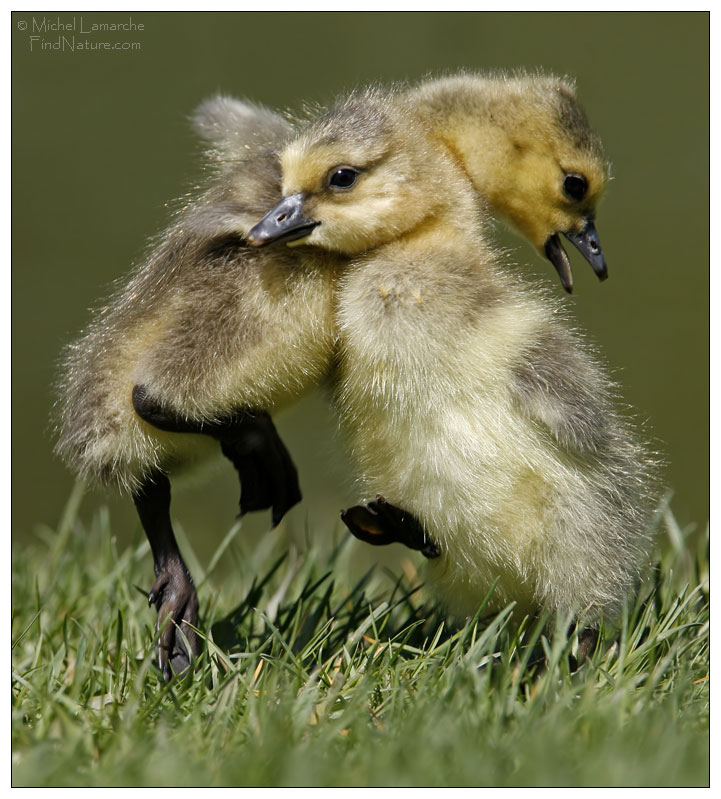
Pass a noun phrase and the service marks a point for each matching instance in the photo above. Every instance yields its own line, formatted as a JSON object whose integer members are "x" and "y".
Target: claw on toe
{"x": 155, "y": 596}
{"x": 176, "y": 600}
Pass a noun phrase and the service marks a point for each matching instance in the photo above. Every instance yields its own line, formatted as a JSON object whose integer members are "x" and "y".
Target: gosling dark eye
{"x": 575, "y": 186}
{"x": 343, "y": 177}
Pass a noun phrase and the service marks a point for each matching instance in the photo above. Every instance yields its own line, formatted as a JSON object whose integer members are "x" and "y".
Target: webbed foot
{"x": 176, "y": 600}
{"x": 268, "y": 476}
{"x": 248, "y": 438}
{"x": 380, "y": 523}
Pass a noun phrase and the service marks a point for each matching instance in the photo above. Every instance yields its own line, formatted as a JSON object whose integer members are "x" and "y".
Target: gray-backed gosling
{"x": 207, "y": 336}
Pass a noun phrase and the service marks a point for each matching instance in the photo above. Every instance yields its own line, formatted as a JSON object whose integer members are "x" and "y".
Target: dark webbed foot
{"x": 268, "y": 477}
{"x": 248, "y": 439}
{"x": 380, "y": 523}
{"x": 174, "y": 596}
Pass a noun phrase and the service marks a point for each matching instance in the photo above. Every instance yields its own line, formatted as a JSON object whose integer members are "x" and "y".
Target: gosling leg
{"x": 587, "y": 640}
{"x": 268, "y": 477}
{"x": 380, "y": 523}
{"x": 173, "y": 592}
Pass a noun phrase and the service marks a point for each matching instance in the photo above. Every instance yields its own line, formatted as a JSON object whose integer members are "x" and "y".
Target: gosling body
{"x": 206, "y": 324}
{"x": 480, "y": 413}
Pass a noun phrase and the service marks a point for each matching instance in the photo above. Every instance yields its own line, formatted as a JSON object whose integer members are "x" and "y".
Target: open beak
{"x": 587, "y": 243}
{"x": 285, "y": 222}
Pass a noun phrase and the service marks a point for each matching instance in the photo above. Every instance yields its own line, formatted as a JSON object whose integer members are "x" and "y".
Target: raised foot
{"x": 380, "y": 523}
{"x": 176, "y": 600}
{"x": 248, "y": 438}
{"x": 268, "y": 476}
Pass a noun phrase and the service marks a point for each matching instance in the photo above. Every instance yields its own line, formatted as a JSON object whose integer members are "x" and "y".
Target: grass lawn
{"x": 311, "y": 677}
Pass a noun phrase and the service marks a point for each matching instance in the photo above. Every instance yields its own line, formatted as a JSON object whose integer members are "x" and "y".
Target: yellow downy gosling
{"x": 467, "y": 400}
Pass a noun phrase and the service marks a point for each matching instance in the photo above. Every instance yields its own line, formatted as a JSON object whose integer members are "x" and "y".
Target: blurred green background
{"x": 101, "y": 143}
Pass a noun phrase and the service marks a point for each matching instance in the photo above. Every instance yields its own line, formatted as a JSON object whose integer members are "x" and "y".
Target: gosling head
{"x": 358, "y": 178}
{"x": 555, "y": 172}
{"x": 529, "y": 149}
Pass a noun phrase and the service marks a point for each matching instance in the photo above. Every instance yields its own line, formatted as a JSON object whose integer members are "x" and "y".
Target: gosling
{"x": 467, "y": 400}
{"x": 207, "y": 337}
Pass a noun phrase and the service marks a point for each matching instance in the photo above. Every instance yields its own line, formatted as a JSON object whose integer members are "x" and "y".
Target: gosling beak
{"x": 587, "y": 243}
{"x": 557, "y": 256}
{"x": 285, "y": 222}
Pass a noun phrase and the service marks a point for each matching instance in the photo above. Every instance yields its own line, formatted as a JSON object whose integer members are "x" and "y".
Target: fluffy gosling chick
{"x": 529, "y": 150}
{"x": 466, "y": 399}
{"x": 205, "y": 337}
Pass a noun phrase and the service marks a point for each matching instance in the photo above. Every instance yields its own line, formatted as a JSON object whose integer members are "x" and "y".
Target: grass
{"x": 311, "y": 678}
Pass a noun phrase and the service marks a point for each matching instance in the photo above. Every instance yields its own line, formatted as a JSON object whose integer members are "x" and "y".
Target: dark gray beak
{"x": 587, "y": 244}
{"x": 285, "y": 222}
